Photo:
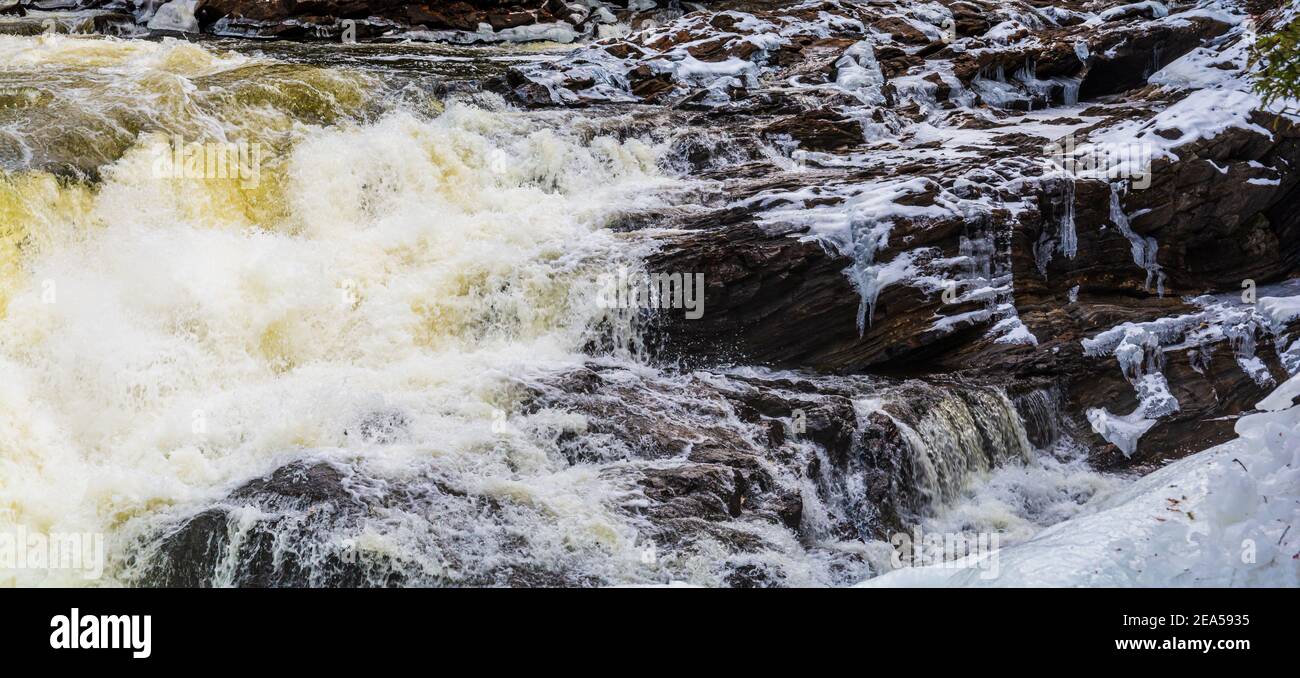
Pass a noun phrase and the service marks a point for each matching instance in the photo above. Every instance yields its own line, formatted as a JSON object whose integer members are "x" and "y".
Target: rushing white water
{"x": 164, "y": 338}
{"x": 1033, "y": 484}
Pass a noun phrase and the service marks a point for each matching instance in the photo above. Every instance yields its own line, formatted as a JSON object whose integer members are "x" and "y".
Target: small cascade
{"x": 1037, "y": 88}
{"x": 1048, "y": 90}
{"x": 1040, "y": 412}
{"x": 956, "y": 435}
{"x": 917, "y": 449}
{"x": 1070, "y": 90}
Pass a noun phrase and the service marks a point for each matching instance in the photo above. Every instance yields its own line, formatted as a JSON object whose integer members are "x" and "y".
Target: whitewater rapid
{"x": 163, "y": 338}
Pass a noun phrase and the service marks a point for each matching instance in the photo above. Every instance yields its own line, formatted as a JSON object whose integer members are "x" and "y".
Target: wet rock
{"x": 760, "y": 451}
{"x": 451, "y": 15}
{"x": 304, "y": 525}
{"x": 832, "y": 472}
{"x": 299, "y": 499}
{"x": 777, "y": 300}
{"x": 901, "y": 30}
{"x": 503, "y": 20}
{"x": 1220, "y": 212}
{"x": 271, "y": 10}
{"x": 1123, "y": 60}
{"x": 381, "y": 427}
{"x": 754, "y": 576}
{"x": 768, "y": 298}
{"x": 321, "y": 19}
{"x": 819, "y": 130}
{"x": 705, "y": 491}
{"x": 1218, "y": 217}
{"x": 969, "y": 19}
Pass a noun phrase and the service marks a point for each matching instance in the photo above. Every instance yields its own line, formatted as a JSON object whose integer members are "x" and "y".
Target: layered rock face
{"x": 1060, "y": 193}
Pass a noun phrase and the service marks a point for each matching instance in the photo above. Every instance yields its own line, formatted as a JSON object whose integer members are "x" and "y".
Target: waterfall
{"x": 957, "y": 435}
{"x": 395, "y": 262}
{"x": 1040, "y": 411}
{"x": 326, "y": 374}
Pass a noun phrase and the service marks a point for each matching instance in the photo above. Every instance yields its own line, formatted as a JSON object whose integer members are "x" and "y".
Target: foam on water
{"x": 165, "y": 339}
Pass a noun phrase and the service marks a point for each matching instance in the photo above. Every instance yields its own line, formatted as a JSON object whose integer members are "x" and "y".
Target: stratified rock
{"x": 819, "y": 130}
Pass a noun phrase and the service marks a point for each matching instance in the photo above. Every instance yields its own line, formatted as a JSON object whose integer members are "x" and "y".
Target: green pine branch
{"x": 1278, "y": 56}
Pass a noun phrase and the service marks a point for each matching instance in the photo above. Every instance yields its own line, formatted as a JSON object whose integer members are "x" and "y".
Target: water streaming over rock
{"x": 383, "y": 362}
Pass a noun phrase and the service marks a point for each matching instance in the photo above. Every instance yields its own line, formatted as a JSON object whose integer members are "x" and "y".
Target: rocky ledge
{"x": 711, "y": 462}
{"x": 1086, "y": 193}
{"x": 459, "y": 21}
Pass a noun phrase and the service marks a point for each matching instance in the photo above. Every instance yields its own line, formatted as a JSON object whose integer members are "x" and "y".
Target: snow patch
{"x": 1221, "y": 517}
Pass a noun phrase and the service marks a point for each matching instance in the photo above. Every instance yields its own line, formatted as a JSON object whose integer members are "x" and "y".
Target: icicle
{"x": 865, "y": 274}
{"x": 1081, "y": 51}
{"x": 1069, "y": 245}
{"x": 1144, "y": 249}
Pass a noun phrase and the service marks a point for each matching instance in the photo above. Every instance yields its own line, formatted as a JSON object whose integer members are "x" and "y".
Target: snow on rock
{"x": 1154, "y": 10}
{"x": 1013, "y": 331}
{"x": 1222, "y": 517}
{"x": 177, "y": 15}
{"x": 1139, "y": 349}
{"x": 916, "y": 144}
{"x": 1280, "y": 310}
{"x": 558, "y": 31}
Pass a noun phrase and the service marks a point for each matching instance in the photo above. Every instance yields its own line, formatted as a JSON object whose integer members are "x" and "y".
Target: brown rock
{"x": 819, "y": 130}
